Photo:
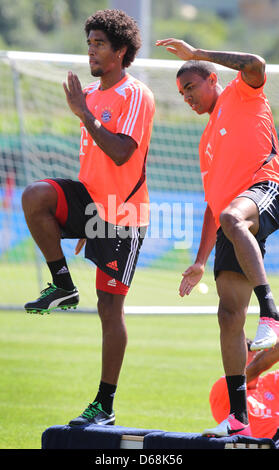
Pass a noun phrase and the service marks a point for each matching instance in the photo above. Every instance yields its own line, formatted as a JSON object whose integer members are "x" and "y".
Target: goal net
{"x": 39, "y": 138}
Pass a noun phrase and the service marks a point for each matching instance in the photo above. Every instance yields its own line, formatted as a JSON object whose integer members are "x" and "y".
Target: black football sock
{"x": 105, "y": 396}
{"x": 61, "y": 276}
{"x": 266, "y": 301}
{"x": 238, "y": 397}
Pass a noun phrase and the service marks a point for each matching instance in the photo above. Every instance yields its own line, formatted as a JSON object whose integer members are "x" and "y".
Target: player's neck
{"x": 218, "y": 92}
{"x": 110, "y": 79}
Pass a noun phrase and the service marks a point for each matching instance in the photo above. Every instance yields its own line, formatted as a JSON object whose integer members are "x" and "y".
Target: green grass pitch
{"x": 50, "y": 368}
{"x": 50, "y": 365}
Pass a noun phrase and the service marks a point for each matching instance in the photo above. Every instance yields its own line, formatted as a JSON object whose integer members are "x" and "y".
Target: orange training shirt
{"x": 262, "y": 401}
{"x": 120, "y": 192}
{"x": 239, "y": 146}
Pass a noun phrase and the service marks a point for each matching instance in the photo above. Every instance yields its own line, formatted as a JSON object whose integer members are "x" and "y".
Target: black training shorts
{"x": 266, "y": 197}
{"x": 113, "y": 248}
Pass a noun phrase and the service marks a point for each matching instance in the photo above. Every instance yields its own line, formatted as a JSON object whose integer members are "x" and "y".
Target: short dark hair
{"x": 200, "y": 67}
{"x": 121, "y": 30}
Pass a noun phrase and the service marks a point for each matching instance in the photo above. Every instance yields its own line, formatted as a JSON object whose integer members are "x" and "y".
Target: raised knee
{"x": 38, "y": 195}
{"x": 230, "y": 220}
{"x": 28, "y": 198}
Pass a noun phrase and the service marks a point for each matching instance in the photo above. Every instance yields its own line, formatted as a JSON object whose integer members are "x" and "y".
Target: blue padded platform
{"x": 179, "y": 440}
{"x": 87, "y": 437}
{"x": 109, "y": 437}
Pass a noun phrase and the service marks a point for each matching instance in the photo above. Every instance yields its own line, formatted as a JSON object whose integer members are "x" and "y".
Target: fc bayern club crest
{"x": 106, "y": 115}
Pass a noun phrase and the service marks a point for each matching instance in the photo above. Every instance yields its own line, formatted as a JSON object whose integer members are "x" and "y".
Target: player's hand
{"x": 191, "y": 277}
{"x": 80, "y": 244}
{"x": 74, "y": 95}
{"x": 178, "y": 47}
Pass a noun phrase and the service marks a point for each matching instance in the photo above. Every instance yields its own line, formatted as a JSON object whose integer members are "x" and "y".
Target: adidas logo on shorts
{"x": 112, "y": 265}
{"x": 112, "y": 283}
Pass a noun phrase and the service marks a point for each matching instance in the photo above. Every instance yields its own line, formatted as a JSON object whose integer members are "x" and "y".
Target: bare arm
{"x": 118, "y": 147}
{"x": 263, "y": 361}
{"x": 208, "y": 237}
{"x": 194, "y": 273}
{"x": 252, "y": 66}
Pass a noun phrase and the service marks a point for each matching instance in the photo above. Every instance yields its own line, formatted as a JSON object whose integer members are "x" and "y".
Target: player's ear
{"x": 213, "y": 79}
{"x": 121, "y": 52}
